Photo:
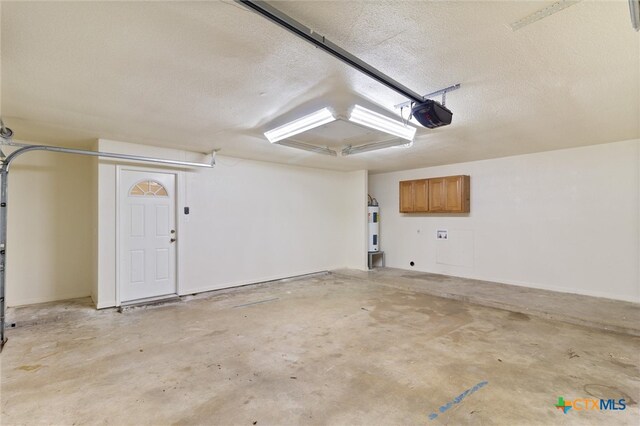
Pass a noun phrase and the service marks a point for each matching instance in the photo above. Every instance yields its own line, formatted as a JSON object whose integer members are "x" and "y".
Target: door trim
{"x": 177, "y": 201}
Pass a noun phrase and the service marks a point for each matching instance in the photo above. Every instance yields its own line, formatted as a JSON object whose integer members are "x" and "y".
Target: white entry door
{"x": 147, "y": 234}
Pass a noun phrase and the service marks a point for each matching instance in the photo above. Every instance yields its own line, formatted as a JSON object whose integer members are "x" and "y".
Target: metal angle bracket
{"x": 442, "y": 92}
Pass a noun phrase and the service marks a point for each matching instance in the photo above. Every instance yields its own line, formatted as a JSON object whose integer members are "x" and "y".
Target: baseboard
{"x": 247, "y": 282}
{"x": 557, "y": 289}
{"x": 46, "y": 299}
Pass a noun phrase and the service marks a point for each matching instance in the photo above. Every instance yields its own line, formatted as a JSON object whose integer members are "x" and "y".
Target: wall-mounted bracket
{"x": 442, "y": 92}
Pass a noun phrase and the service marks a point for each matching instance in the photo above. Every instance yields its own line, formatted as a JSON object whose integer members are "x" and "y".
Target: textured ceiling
{"x": 209, "y": 75}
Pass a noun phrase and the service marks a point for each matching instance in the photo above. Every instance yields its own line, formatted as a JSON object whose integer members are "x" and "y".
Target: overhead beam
{"x": 64, "y": 150}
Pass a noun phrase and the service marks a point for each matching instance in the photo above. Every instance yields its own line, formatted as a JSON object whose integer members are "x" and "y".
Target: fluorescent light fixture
{"x": 634, "y": 8}
{"x": 373, "y": 120}
{"x": 394, "y": 143}
{"x": 308, "y": 147}
{"x": 405, "y": 145}
{"x": 542, "y": 13}
{"x": 300, "y": 125}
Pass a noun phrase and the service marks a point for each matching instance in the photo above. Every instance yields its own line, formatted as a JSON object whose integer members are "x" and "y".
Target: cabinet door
{"x": 453, "y": 191}
{"x": 436, "y": 195}
{"x": 406, "y": 196}
{"x": 456, "y": 194}
{"x": 420, "y": 196}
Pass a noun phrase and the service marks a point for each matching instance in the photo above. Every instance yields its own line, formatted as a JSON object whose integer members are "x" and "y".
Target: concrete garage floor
{"x": 328, "y": 349}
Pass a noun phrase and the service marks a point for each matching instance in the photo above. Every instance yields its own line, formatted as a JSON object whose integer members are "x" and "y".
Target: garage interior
{"x": 239, "y": 212}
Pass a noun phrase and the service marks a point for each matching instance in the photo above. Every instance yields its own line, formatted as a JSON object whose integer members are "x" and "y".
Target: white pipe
{"x": 105, "y": 154}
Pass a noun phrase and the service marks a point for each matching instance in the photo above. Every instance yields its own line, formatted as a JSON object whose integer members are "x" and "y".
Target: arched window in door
{"x": 148, "y": 188}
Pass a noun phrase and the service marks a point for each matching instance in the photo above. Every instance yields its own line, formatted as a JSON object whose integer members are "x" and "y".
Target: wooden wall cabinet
{"x": 449, "y": 194}
{"x": 414, "y": 196}
{"x": 406, "y": 196}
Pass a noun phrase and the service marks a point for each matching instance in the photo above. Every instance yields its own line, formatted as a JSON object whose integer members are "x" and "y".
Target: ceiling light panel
{"x": 307, "y": 147}
{"x": 373, "y": 120}
{"x": 542, "y": 13}
{"x": 396, "y": 143}
{"x": 634, "y": 8}
{"x": 300, "y": 125}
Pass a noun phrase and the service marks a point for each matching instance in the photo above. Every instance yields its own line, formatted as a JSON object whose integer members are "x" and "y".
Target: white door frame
{"x": 178, "y": 199}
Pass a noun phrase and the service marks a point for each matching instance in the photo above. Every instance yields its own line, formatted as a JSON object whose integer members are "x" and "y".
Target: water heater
{"x": 374, "y": 228}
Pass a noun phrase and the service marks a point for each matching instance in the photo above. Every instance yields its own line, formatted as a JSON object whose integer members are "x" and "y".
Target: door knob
{"x": 173, "y": 240}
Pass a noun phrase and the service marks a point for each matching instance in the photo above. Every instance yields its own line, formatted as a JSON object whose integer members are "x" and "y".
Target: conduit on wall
{"x": 5, "y": 139}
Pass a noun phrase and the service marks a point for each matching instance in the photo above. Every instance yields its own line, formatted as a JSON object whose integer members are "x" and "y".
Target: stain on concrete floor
{"x": 313, "y": 355}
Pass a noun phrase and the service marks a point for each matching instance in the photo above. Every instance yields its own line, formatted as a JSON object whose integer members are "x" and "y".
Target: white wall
{"x": 356, "y": 233}
{"x": 562, "y": 220}
{"x": 250, "y": 221}
{"x": 49, "y": 229}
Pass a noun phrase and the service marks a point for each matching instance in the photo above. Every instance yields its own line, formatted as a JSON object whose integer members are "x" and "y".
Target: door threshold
{"x": 149, "y": 301}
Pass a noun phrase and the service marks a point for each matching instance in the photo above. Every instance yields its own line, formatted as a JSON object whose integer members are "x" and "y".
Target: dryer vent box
{"x": 432, "y": 114}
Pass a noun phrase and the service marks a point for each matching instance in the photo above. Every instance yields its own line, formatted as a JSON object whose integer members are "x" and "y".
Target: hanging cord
{"x": 405, "y": 121}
